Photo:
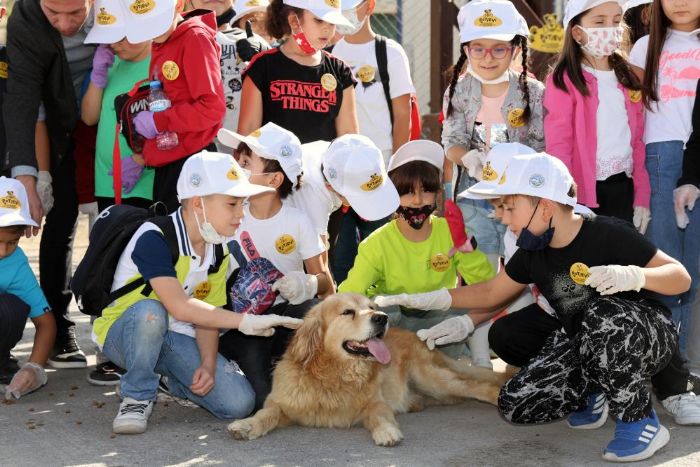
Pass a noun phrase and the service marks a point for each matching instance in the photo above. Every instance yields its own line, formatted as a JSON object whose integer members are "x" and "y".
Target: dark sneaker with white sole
{"x": 8, "y": 367}
{"x": 105, "y": 374}
{"x": 67, "y": 354}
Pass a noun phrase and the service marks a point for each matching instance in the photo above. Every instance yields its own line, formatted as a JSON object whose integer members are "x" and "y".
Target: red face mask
{"x": 302, "y": 41}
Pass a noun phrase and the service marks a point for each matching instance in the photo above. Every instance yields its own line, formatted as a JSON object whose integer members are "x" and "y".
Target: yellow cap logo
{"x": 141, "y": 7}
{"x": 3, "y": 70}
{"x": 488, "y": 20}
{"x": 285, "y": 244}
{"x": 10, "y": 201}
{"x": 503, "y": 179}
{"x": 366, "y": 74}
{"x": 252, "y": 3}
{"x": 232, "y": 174}
{"x": 375, "y": 181}
{"x": 488, "y": 173}
{"x": 579, "y": 273}
{"x": 333, "y": 3}
{"x": 105, "y": 18}
{"x": 635, "y": 96}
{"x": 439, "y": 262}
{"x": 170, "y": 70}
{"x": 550, "y": 37}
{"x": 255, "y": 133}
{"x": 201, "y": 290}
{"x": 328, "y": 81}
{"x": 515, "y": 117}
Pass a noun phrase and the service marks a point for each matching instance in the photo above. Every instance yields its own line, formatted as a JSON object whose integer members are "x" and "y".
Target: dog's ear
{"x": 307, "y": 338}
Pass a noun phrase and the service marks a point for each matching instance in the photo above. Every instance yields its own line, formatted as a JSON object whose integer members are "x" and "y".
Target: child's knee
{"x": 236, "y": 398}
{"x": 150, "y": 318}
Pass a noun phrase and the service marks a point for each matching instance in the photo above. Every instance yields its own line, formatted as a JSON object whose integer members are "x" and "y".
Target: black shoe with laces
{"x": 8, "y": 367}
{"x": 67, "y": 353}
{"x": 105, "y": 374}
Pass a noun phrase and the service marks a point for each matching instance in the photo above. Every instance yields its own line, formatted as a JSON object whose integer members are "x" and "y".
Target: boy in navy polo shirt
{"x": 20, "y": 297}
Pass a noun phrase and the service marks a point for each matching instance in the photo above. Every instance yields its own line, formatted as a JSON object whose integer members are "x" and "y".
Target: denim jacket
{"x": 466, "y": 102}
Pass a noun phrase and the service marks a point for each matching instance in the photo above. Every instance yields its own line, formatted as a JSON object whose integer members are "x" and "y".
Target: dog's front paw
{"x": 387, "y": 434}
{"x": 242, "y": 429}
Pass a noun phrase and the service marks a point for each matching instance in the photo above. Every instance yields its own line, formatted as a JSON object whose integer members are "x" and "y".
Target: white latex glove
{"x": 437, "y": 300}
{"x": 474, "y": 161}
{"x": 264, "y": 325}
{"x": 608, "y": 280}
{"x": 30, "y": 378}
{"x": 641, "y": 219}
{"x": 297, "y": 287}
{"x": 684, "y": 197}
{"x": 45, "y": 190}
{"x": 448, "y": 332}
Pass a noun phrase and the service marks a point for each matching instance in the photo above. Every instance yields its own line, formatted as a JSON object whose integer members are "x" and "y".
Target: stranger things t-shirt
{"x": 303, "y": 99}
{"x": 560, "y": 273}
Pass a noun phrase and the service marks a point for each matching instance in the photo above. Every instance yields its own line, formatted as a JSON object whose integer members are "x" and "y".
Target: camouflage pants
{"x": 621, "y": 342}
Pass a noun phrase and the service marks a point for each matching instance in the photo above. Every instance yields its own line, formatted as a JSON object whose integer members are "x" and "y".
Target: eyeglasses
{"x": 496, "y": 52}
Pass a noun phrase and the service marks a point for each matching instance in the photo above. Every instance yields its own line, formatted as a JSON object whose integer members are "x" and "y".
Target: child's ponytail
{"x": 522, "y": 79}
{"x": 456, "y": 71}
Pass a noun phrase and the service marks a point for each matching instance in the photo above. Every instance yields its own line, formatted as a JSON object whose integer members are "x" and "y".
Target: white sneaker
{"x": 132, "y": 417}
{"x": 685, "y": 408}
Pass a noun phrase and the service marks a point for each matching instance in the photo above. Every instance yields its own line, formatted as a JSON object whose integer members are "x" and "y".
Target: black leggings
{"x": 255, "y": 355}
{"x": 13, "y": 318}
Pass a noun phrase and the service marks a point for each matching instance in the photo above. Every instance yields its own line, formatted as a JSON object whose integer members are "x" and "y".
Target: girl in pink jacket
{"x": 594, "y": 115}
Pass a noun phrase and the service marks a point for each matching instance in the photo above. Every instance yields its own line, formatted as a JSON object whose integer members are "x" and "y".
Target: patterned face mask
{"x": 416, "y": 217}
{"x": 602, "y": 42}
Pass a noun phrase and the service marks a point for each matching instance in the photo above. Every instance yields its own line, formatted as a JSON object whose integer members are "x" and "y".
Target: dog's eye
{"x": 349, "y": 312}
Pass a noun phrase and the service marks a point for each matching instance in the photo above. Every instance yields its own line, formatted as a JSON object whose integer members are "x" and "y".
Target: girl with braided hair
{"x": 489, "y": 104}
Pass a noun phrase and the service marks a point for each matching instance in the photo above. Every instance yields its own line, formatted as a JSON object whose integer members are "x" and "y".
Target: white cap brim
{"x": 333, "y": 17}
{"x": 232, "y": 140}
{"x": 146, "y": 29}
{"x": 105, "y": 35}
{"x": 254, "y": 9}
{"x": 472, "y": 36}
{"x": 12, "y": 219}
{"x": 246, "y": 190}
{"x": 376, "y": 205}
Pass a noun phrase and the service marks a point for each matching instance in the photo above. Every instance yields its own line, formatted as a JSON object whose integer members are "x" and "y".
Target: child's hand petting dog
{"x": 264, "y": 325}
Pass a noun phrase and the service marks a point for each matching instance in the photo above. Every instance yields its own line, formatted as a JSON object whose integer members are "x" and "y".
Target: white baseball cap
{"x": 109, "y": 23}
{"x": 353, "y": 165}
{"x": 14, "y": 205}
{"x": 633, "y": 3}
{"x": 270, "y": 141}
{"x": 327, "y": 10}
{"x": 246, "y": 7}
{"x": 490, "y": 19}
{"x": 418, "y": 150}
{"x": 148, "y": 19}
{"x": 349, "y": 4}
{"x": 576, "y": 7}
{"x": 214, "y": 173}
{"x": 536, "y": 174}
{"x": 497, "y": 160}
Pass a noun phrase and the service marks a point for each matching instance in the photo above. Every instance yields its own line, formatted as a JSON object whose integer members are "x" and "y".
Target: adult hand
{"x": 608, "y": 280}
{"x": 436, "y": 300}
{"x": 101, "y": 62}
{"x": 264, "y": 325}
{"x": 44, "y": 188}
{"x": 641, "y": 218}
{"x": 30, "y": 378}
{"x": 684, "y": 197}
{"x": 36, "y": 209}
{"x": 202, "y": 381}
{"x": 297, "y": 287}
{"x": 145, "y": 125}
{"x": 250, "y": 46}
{"x": 449, "y": 331}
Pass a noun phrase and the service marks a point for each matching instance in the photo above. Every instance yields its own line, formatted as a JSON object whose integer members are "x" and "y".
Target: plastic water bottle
{"x": 157, "y": 102}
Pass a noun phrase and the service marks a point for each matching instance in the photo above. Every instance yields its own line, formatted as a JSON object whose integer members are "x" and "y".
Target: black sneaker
{"x": 105, "y": 374}
{"x": 8, "y": 368}
{"x": 67, "y": 354}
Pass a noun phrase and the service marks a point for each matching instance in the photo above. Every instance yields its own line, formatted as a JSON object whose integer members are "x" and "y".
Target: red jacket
{"x": 188, "y": 66}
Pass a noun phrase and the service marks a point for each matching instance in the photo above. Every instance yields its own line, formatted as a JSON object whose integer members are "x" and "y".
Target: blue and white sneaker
{"x": 636, "y": 441}
{"x": 593, "y": 416}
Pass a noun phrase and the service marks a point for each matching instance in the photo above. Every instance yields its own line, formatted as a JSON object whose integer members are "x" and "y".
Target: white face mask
{"x": 247, "y": 173}
{"x": 501, "y": 79}
{"x": 207, "y": 231}
{"x": 602, "y": 42}
{"x": 351, "y": 15}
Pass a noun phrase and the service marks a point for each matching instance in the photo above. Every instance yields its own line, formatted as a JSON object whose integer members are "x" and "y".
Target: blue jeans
{"x": 488, "y": 232}
{"x": 664, "y": 163}
{"x": 139, "y": 342}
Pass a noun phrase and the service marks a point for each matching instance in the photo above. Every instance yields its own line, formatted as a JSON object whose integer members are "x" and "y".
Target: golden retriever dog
{"x": 342, "y": 367}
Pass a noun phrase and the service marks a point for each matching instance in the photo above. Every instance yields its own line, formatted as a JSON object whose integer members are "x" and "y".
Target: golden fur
{"x": 319, "y": 383}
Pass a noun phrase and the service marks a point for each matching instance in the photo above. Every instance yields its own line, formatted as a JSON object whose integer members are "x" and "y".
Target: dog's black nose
{"x": 380, "y": 318}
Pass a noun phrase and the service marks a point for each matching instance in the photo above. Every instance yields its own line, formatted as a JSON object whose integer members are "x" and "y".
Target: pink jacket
{"x": 571, "y": 134}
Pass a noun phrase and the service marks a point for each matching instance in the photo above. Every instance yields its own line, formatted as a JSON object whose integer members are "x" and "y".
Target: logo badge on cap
{"x": 195, "y": 179}
{"x": 105, "y": 18}
{"x": 255, "y": 133}
{"x": 374, "y": 182}
{"x": 141, "y": 7}
{"x": 488, "y": 20}
{"x": 285, "y": 151}
{"x": 328, "y": 81}
{"x": 332, "y": 174}
{"x": 10, "y": 201}
{"x": 488, "y": 173}
{"x": 232, "y": 174}
{"x": 252, "y": 3}
{"x": 333, "y": 3}
{"x": 536, "y": 181}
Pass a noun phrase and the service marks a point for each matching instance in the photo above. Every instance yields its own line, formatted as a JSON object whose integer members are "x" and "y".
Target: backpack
{"x": 115, "y": 226}
{"x": 127, "y": 106}
{"x": 250, "y": 286}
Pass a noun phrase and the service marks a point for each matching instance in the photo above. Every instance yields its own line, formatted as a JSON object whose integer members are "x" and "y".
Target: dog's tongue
{"x": 378, "y": 348}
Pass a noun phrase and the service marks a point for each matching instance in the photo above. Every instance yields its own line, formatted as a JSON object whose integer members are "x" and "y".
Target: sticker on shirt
{"x": 366, "y": 74}
{"x": 170, "y": 70}
{"x": 105, "y": 18}
{"x": 515, "y": 117}
{"x": 488, "y": 174}
{"x": 635, "y": 95}
{"x": 439, "y": 262}
{"x": 374, "y": 182}
{"x": 201, "y": 290}
{"x": 488, "y": 20}
{"x": 285, "y": 244}
{"x": 10, "y": 201}
{"x": 329, "y": 82}
{"x": 3, "y": 70}
{"x": 579, "y": 273}
{"x": 141, "y": 7}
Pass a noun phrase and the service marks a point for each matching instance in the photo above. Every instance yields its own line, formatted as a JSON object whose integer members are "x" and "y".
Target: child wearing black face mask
{"x": 415, "y": 251}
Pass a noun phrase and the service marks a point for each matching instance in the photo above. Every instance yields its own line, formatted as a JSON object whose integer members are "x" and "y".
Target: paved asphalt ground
{"x": 69, "y": 423}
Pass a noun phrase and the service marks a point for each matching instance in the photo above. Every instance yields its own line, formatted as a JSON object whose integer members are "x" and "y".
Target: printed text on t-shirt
{"x": 299, "y": 95}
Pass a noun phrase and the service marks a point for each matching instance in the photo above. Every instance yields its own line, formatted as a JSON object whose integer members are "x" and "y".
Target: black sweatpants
{"x": 615, "y": 196}
{"x": 256, "y": 355}
{"x": 13, "y": 319}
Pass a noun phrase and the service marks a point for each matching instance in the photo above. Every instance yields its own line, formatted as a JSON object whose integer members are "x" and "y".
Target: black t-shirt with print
{"x": 303, "y": 99}
{"x": 559, "y": 273}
